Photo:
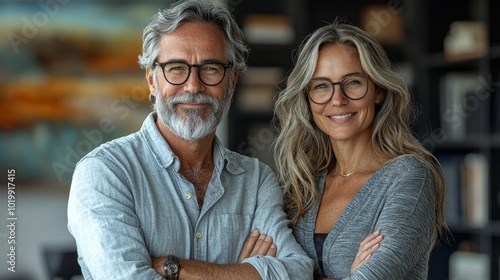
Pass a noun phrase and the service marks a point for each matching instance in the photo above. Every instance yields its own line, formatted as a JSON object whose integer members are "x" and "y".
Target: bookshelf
{"x": 272, "y": 31}
{"x": 459, "y": 98}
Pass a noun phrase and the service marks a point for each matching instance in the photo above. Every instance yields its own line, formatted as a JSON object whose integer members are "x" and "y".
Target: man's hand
{"x": 158, "y": 265}
{"x": 366, "y": 249}
{"x": 257, "y": 245}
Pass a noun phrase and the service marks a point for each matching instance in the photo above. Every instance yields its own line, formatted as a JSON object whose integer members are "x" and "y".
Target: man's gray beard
{"x": 192, "y": 126}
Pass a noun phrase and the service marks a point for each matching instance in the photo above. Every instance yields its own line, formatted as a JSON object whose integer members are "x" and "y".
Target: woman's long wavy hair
{"x": 303, "y": 152}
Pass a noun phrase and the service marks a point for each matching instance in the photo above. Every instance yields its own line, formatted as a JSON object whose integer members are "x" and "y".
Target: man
{"x": 170, "y": 201}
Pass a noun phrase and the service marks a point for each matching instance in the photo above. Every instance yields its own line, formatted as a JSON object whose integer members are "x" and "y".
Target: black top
{"x": 319, "y": 239}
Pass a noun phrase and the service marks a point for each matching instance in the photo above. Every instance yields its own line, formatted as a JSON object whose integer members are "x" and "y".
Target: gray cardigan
{"x": 398, "y": 200}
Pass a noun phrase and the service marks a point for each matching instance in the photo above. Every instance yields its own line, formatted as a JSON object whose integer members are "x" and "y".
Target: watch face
{"x": 172, "y": 269}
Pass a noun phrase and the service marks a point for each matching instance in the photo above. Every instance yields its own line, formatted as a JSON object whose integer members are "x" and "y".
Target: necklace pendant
{"x": 347, "y": 175}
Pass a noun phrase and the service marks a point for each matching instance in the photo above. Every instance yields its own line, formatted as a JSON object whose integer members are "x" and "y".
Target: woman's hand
{"x": 366, "y": 249}
{"x": 257, "y": 245}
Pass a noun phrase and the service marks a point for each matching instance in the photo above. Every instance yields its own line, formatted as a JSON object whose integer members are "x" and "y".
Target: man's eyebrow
{"x": 174, "y": 61}
{"x": 185, "y": 61}
{"x": 213, "y": 61}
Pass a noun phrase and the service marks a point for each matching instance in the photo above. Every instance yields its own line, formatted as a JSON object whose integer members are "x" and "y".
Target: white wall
{"x": 41, "y": 223}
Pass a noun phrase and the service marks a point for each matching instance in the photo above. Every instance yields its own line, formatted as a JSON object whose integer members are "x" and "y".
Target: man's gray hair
{"x": 168, "y": 20}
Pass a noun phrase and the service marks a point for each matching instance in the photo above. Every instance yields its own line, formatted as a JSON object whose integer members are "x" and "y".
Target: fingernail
{"x": 268, "y": 238}
{"x": 255, "y": 232}
{"x": 368, "y": 257}
{"x": 273, "y": 246}
{"x": 262, "y": 236}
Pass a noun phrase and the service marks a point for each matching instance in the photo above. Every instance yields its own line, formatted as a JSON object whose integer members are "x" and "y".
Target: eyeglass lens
{"x": 178, "y": 73}
{"x": 353, "y": 87}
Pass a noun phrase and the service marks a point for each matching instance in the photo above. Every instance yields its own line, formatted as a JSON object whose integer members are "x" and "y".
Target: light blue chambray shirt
{"x": 128, "y": 203}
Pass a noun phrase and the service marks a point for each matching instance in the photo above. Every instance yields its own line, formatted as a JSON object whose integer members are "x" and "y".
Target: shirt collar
{"x": 155, "y": 141}
{"x": 165, "y": 157}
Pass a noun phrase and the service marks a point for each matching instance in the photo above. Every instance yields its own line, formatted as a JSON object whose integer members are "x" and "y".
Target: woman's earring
{"x": 152, "y": 98}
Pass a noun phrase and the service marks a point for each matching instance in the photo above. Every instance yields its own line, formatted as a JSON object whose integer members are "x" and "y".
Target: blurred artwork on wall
{"x": 69, "y": 81}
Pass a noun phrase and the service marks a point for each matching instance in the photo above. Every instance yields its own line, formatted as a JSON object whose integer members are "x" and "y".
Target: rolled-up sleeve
{"x": 407, "y": 223}
{"x": 291, "y": 262}
{"x": 102, "y": 220}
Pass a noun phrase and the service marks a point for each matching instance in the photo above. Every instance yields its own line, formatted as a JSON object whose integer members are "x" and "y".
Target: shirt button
{"x": 188, "y": 195}
{"x": 198, "y": 234}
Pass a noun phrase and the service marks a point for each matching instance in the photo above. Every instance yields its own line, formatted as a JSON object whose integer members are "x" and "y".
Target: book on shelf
{"x": 451, "y": 168}
{"x": 495, "y": 90}
{"x": 272, "y": 29}
{"x": 258, "y": 88}
{"x": 462, "y": 101}
{"x": 467, "y": 184}
{"x": 385, "y": 23}
{"x": 474, "y": 188}
{"x": 466, "y": 40}
{"x": 469, "y": 266}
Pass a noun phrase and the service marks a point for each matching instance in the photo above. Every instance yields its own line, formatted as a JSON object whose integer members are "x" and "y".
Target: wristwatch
{"x": 171, "y": 267}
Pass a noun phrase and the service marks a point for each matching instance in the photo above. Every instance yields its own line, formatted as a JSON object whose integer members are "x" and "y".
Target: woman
{"x": 349, "y": 163}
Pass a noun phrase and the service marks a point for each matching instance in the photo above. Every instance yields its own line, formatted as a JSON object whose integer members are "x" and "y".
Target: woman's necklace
{"x": 349, "y": 174}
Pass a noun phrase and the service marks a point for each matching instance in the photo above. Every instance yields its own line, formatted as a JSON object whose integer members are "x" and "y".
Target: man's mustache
{"x": 195, "y": 98}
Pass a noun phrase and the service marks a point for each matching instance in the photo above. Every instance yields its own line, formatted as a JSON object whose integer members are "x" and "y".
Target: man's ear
{"x": 149, "y": 78}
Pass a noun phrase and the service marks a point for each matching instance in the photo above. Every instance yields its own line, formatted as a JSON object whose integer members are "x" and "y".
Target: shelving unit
{"x": 251, "y": 130}
{"x": 477, "y": 110}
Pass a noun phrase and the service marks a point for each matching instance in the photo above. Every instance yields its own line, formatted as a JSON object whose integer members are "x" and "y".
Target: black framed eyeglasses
{"x": 210, "y": 73}
{"x": 354, "y": 87}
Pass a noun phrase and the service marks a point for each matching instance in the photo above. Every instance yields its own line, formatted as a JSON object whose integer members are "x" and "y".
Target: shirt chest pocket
{"x": 236, "y": 222}
{"x": 230, "y": 230}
